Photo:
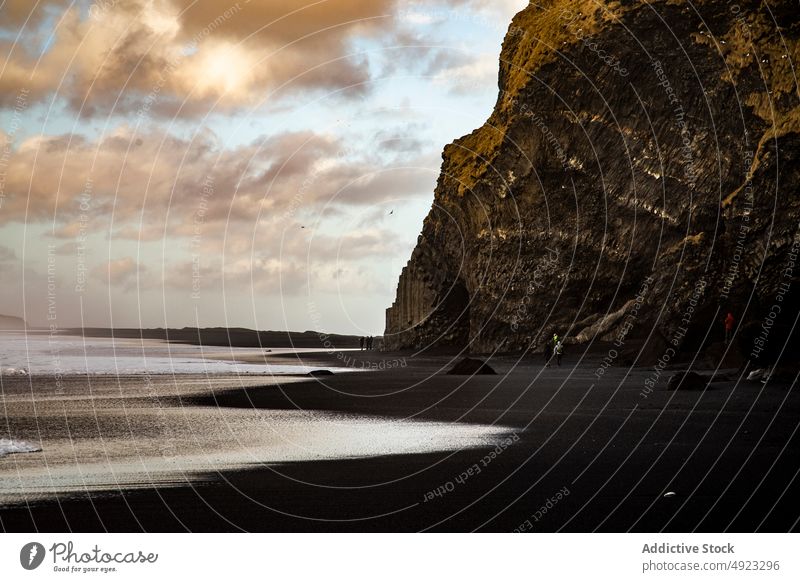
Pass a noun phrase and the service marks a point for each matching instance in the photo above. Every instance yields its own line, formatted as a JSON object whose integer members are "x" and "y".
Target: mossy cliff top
{"x": 752, "y": 46}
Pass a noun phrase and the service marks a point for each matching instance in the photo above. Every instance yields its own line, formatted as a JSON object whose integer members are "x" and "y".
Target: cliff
{"x": 636, "y": 180}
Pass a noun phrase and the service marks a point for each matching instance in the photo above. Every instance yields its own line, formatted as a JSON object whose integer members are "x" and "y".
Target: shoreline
{"x": 615, "y": 451}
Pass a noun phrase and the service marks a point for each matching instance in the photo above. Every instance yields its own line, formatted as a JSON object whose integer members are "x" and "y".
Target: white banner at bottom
{"x": 400, "y": 557}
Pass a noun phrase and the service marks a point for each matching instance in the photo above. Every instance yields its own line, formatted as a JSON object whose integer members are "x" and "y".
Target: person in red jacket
{"x": 728, "y": 327}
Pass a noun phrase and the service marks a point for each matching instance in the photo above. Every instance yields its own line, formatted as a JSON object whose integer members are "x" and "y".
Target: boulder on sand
{"x": 471, "y": 366}
{"x": 318, "y": 373}
{"x": 687, "y": 381}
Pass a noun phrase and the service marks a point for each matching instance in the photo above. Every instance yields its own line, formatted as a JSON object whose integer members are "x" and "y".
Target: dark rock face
{"x": 633, "y": 187}
{"x": 471, "y": 367}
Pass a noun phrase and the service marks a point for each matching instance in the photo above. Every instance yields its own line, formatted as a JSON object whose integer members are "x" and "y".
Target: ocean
{"x": 100, "y": 414}
{"x": 43, "y": 354}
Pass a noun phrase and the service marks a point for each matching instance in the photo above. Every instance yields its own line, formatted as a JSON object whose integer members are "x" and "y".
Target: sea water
{"x": 42, "y": 353}
{"x": 108, "y": 414}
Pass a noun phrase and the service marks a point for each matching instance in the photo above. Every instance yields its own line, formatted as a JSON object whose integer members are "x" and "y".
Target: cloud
{"x": 154, "y": 185}
{"x": 289, "y": 268}
{"x": 153, "y": 177}
{"x": 263, "y": 275}
{"x": 66, "y": 249}
{"x": 467, "y": 75}
{"x": 237, "y": 212}
{"x": 15, "y": 13}
{"x": 184, "y": 57}
{"x": 355, "y": 244}
{"x": 124, "y": 272}
{"x": 7, "y": 254}
{"x": 403, "y": 140}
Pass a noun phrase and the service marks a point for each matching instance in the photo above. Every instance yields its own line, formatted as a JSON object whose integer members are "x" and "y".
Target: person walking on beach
{"x": 369, "y": 342}
{"x": 728, "y": 327}
{"x": 559, "y": 350}
{"x": 361, "y": 343}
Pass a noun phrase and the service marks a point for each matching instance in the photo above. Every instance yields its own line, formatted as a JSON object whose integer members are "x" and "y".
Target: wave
{"x": 11, "y": 446}
{"x": 58, "y": 356}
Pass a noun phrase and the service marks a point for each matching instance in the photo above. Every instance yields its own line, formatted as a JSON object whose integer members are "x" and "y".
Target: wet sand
{"x": 585, "y": 454}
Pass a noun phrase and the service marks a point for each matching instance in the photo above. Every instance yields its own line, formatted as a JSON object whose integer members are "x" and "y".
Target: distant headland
{"x": 10, "y": 322}
{"x": 227, "y": 336}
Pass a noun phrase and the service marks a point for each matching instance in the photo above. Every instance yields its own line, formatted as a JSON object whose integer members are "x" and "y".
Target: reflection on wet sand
{"x": 127, "y": 433}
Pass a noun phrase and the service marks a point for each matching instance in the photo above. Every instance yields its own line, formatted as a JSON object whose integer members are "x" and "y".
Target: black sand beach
{"x": 585, "y": 454}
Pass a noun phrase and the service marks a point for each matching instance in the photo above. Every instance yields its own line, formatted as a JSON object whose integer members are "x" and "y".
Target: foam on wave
{"x": 11, "y": 446}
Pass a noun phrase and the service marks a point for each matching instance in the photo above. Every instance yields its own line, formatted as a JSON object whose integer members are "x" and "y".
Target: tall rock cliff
{"x": 636, "y": 180}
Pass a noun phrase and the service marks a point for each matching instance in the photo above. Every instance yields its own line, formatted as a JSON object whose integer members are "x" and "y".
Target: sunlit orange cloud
{"x": 181, "y": 56}
{"x": 24, "y": 12}
{"x": 152, "y": 184}
{"x": 61, "y": 178}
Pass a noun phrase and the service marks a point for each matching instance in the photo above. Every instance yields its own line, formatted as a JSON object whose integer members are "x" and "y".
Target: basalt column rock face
{"x": 637, "y": 179}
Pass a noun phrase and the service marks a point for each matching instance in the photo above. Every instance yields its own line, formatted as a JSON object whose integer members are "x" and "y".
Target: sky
{"x": 262, "y": 163}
